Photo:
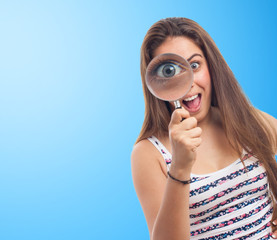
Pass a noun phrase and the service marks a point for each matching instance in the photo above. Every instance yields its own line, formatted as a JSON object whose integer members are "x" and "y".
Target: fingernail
{"x": 274, "y": 235}
{"x": 274, "y": 223}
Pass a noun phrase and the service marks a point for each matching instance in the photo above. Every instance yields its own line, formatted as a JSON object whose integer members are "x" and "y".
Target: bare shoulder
{"x": 144, "y": 154}
{"x": 149, "y": 178}
{"x": 143, "y": 147}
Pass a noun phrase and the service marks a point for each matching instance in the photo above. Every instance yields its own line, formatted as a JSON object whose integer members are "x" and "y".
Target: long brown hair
{"x": 245, "y": 128}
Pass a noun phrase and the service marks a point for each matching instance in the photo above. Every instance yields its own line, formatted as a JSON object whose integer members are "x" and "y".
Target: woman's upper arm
{"x": 149, "y": 179}
{"x": 273, "y": 125}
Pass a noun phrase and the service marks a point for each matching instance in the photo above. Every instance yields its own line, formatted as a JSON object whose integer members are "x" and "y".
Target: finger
{"x": 178, "y": 115}
{"x": 196, "y": 142}
{"x": 189, "y": 123}
{"x": 192, "y": 143}
{"x": 194, "y": 132}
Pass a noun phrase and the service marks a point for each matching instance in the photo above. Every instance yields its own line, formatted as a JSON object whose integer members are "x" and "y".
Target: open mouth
{"x": 192, "y": 104}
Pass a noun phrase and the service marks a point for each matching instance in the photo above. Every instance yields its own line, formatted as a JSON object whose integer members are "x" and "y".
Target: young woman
{"x": 208, "y": 170}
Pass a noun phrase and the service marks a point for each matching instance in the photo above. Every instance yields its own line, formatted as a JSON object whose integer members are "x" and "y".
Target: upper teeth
{"x": 191, "y": 98}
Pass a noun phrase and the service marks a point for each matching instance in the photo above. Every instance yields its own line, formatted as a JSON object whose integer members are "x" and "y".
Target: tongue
{"x": 193, "y": 103}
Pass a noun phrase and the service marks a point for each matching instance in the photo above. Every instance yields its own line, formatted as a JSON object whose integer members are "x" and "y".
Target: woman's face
{"x": 198, "y": 100}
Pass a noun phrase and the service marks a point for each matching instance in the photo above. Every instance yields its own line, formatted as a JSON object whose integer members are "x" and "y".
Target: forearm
{"x": 172, "y": 221}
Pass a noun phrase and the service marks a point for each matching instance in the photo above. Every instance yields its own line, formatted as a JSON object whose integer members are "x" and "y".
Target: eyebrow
{"x": 196, "y": 54}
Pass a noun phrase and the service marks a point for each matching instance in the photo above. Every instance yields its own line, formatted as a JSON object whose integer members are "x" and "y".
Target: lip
{"x": 196, "y": 109}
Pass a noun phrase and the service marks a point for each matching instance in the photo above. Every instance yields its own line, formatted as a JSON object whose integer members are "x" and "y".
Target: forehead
{"x": 179, "y": 45}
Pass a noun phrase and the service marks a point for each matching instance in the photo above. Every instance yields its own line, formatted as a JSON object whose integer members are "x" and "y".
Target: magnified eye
{"x": 168, "y": 70}
{"x": 194, "y": 65}
{"x": 169, "y": 76}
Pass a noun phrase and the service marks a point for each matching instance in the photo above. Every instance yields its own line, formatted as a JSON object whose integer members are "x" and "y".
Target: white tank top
{"x": 231, "y": 203}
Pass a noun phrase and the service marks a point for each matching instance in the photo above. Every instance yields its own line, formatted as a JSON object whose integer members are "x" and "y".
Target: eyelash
{"x": 197, "y": 63}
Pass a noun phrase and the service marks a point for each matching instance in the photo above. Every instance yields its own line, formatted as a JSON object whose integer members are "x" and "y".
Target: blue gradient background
{"x": 71, "y": 105}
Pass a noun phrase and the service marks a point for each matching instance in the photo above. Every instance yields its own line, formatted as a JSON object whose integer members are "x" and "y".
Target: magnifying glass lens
{"x": 169, "y": 77}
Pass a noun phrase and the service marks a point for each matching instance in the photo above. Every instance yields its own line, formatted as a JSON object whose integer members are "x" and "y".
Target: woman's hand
{"x": 184, "y": 137}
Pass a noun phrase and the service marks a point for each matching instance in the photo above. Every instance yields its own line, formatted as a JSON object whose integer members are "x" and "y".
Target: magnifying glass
{"x": 169, "y": 77}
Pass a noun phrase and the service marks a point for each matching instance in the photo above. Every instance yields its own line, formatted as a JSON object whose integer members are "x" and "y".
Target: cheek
{"x": 203, "y": 79}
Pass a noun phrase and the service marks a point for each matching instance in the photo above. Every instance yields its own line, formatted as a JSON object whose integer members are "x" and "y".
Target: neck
{"x": 212, "y": 119}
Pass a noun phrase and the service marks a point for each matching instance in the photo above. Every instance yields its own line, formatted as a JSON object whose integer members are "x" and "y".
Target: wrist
{"x": 180, "y": 173}
{"x": 179, "y": 180}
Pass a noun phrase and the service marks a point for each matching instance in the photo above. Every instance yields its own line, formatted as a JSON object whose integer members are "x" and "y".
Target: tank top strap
{"x": 162, "y": 149}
